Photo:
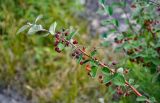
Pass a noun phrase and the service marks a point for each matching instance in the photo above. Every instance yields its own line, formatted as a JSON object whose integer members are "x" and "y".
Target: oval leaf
{"x": 52, "y": 28}
{"x": 119, "y": 80}
{"x": 105, "y": 70}
{"x": 23, "y": 28}
{"x": 35, "y": 28}
{"x": 93, "y": 71}
{"x": 141, "y": 99}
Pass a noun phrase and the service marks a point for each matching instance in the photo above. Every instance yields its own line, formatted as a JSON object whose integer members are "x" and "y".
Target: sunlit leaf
{"x": 35, "y": 28}
{"x": 38, "y": 18}
{"x": 52, "y": 28}
{"x": 23, "y": 28}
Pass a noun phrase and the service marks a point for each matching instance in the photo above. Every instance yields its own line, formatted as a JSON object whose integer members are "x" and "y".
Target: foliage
{"x": 140, "y": 45}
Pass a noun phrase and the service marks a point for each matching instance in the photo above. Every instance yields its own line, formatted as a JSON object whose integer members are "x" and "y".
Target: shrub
{"x": 140, "y": 42}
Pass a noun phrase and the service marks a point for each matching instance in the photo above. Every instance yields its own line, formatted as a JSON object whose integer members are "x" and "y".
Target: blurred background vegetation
{"x": 31, "y": 69}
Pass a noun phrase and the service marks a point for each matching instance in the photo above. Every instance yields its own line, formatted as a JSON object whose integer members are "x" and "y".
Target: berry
{"x": 57, "y": 50}
{"x": 108, "y": 84}
{"x": 67, "y": 43}
{"x": 81, "y": 63}
{"x": 77, "y": 56}
{"x": 56, "y": 43}
{"x": 75, "y": 42}
{"x": 58, "y": 32}
{"x": 63, "y": 29}
{"x": 88, "y": 67}
{"x": 66, "y": 34}
{"x": 100, "y": 76}
{"x": 57, "y": 36}
{"x": 127, "y": 94}
{"x": 114, "y": 63}
{"x": 126, "y": 71}
{"x": 133, "y": 6}
{"x": 73, "y": 54}
{"x": 77, "y": 52}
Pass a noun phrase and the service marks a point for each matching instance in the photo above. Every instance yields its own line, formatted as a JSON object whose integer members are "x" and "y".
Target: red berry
{"x": 67, "y": 43}
{"x": 81, "y": 63}
{"x": 75, "y": 42}
{"x": 56, "y": 43}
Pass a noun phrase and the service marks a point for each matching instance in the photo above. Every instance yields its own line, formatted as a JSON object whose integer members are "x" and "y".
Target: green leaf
{"x": 23, "y": 28}
{"x": 109, "y": 78}
{"x": 105, "y": 22}
{"x": 141, "y": 99}
{"x": 102, "y": 1}
{"x": 109, "y": 10}
{"x": 131, "y": 81}
{"x": 106, "y": 43}
{"x": 156, "y": 61}
{"x": 93, "y": 71}
{"x": 105, "y": 70}
{"x": 70, "y": 36}
{"x": 104, "y": 35}
{"x": 93, "y": 53}
{"x": 152, "y": 99}
{"x": 94, "y": 63}
{"x": 52, "y": 28}
{"x": 116, "y": 22}
{"x": 61, "y": 46}
{"x": 119, "y": 80}
{"x": 80, "y": 58}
